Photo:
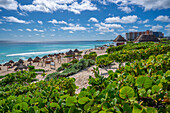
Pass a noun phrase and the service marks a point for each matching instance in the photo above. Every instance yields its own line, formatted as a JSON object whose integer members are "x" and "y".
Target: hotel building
{"x": 131, "y": 36}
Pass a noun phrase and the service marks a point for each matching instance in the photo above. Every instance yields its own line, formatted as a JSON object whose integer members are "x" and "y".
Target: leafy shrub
{"x": 74, "y": 61}
{"x": 39, "y": 70}
{"x": 31, "y": 68}
{"x": 86, "y": 56}
{"x": 21, "y": 77}
{"x": 163, "y": 39}
{"x": 68, "y": 56}
{"x": 65, "y": 65}
{"x": 131, "y": 55}
{"x": 91, "y": 55}
{"x": 60, "y": 69}
{"x": 73, "y": 69}
{"x": 52, "y": 75}
{"x": 138, "y": 87}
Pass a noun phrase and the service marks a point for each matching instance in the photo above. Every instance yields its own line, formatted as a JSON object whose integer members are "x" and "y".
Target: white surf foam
{"x": 38, "y": 53}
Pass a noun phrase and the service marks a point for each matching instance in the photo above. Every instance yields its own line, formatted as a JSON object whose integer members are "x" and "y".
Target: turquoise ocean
{"x": 15, "y": 50}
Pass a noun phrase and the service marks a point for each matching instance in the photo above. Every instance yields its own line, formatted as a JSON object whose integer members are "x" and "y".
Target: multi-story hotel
{"x": 133, "y": 35}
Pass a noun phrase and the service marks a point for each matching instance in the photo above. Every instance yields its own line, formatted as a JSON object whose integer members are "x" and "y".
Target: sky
{"x": 76, "y": 20}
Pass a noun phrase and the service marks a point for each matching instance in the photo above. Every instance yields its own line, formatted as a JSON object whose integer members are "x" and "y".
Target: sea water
{"x": 15, "y": 51}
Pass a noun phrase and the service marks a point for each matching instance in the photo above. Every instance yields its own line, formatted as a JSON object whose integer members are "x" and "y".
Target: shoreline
{"x": 9, "y": 53}
{"x": 48, "y": 68}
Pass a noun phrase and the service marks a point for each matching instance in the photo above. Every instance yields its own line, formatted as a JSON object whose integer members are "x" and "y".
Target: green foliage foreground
{"x": 139, "y": 87}
{"x": 72, "y": 69}
{"x": 132, "y": 52}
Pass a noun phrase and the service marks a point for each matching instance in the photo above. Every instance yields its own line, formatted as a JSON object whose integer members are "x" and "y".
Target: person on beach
{"x": 59, "y": 58}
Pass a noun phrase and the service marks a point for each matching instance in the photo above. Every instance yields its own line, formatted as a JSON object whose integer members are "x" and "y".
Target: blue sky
{"x": 66, "y": 20}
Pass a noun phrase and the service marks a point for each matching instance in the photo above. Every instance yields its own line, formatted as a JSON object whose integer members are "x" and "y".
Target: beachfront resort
{"x": 84, "y": 56}
{"x": 80, "y": 78}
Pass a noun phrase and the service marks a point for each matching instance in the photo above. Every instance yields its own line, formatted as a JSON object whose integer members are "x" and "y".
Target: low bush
{"x": 91, "y": 55}
{"x": 60, "y": 69}
{"x": 39, "y": 70}
{"x": 31, "y": 68}
{"x": 74, "y": 61}
{"x": 73, "y": 69}
{"x": 65, "y": 65}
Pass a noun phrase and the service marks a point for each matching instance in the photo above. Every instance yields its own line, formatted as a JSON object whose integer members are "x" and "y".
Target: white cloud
{"x": 135, "y": 27}
{"x": 0, "y": 10}
{"x": 57, "y": 22}
{"x": 92, "y": 19}
{"x": 49, "y": 6}
{"x": 0, "y": 22}
{"x": 125, "y": 19}
{"x": 23, "y": 13}
{"x": 9, "y": 4}
{"x": 40, "y": 22}
{"x": 35, "y": 29}
{"x": 20, "y": 29}
{"x": 74, "y": 28}
{"x": 31, "y": 8}
{"x": 167, "y": 25}
{"x": 143, "y": 22}
{"x": 71, "y": 32}
{"x": 147, "y": 4}
{"x": 156, "y": 28}
{"x": 103, "y": 27}
{"x": 84, "y": 5}
{"x": 38, "y": 30}
{"x": 162, "y": 18}
{"x": 146, "y": 21}
{"x": 147, "y": 25}
{"x": 132, "y": 30}
{"x": 152, "y": 4}
{"x": 112, "y": 25}
{"x": 167, "y": 28}
{"x": 125, "y": 9}
{"x": 28, "y": 29}
{"x": 3, "y": 29}
{"x": 16, "y": 20}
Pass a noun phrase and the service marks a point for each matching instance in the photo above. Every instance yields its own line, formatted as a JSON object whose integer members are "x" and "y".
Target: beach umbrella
{"x": 21, "y": 61}
{"x": 36, "y": 60}
{"x": 7, "y": 64}
{"x": 16, "y": 64}
{"x": 11, "y": 61}
{"x": 62, "y": 53}
{"x": 76, "y": 51}
{"x": 30, "y": 59}
{"x": 20, "y": 67}
{"x": 49, "y": 55}
{"x": 44, "y": 57}
{"x": 70, "y": 52}
{"x": 0, "y": 64}
{"x": 38, "y": 57}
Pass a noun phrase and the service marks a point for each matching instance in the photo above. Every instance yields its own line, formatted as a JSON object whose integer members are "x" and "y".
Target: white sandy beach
{"x": 81, "y": 77}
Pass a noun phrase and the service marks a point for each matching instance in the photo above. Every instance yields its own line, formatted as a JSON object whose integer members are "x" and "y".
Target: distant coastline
{"x": 10, "y": 50}
{"x": 104, "y": 40}
{"x": 49, "y": 42}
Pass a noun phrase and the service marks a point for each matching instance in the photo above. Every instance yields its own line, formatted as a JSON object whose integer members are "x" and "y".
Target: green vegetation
{"x": 141, "y": 86}
{"x": 72, "y": 69}
{"x": 32, "y": 68}
{"x": 131, "y": 52}
{"x": 91, "y": 55}
{"x": 67, "y": 65}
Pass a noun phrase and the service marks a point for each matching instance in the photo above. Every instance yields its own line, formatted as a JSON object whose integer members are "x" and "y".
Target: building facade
{"x": 131, "y": 36}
